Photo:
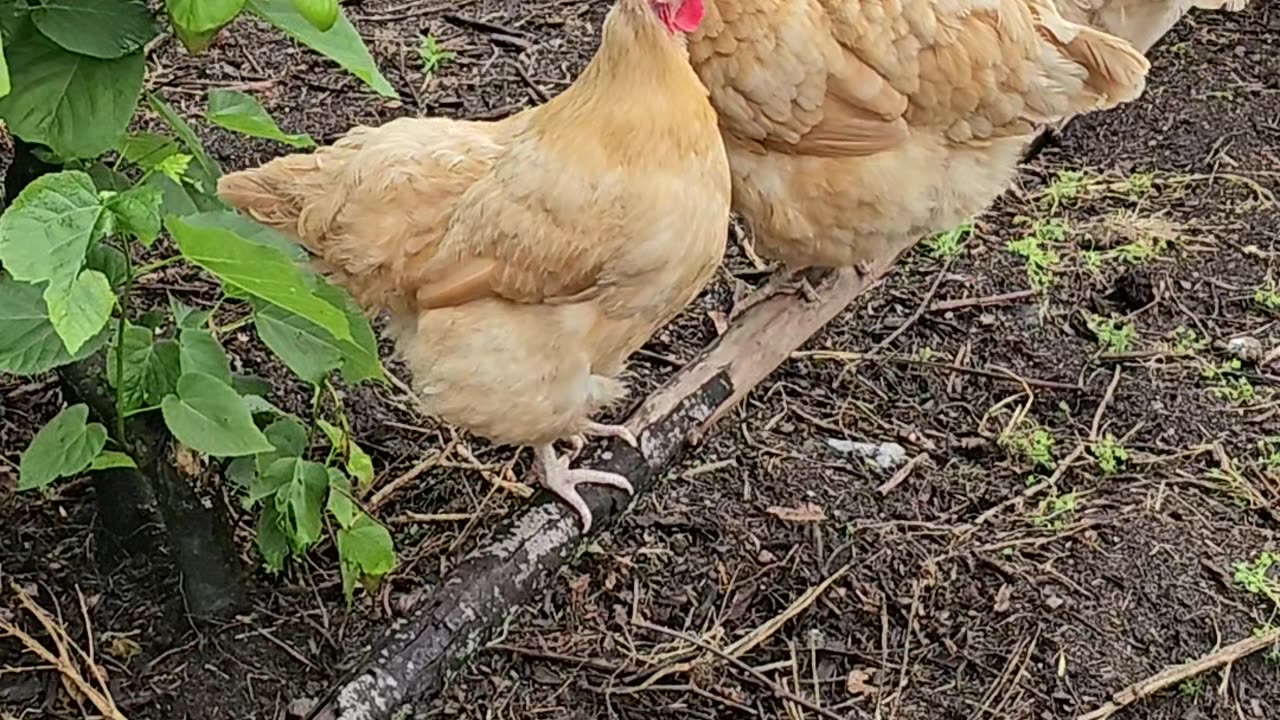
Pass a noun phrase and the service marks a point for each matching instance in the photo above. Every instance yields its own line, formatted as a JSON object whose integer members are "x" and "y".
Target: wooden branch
{"x": 1175, "y": 674}
{"x": 477, "y": 596}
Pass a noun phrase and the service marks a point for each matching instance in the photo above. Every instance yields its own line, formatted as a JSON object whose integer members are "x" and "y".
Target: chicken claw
{"x": 559, "y": 479}
{"x": 595, "y": 429}
{"x": 781, "y": 282}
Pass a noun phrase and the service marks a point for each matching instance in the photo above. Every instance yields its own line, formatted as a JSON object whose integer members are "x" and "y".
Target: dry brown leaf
{"x": 1002, "y": 598}
{"x": 806, "y": 513}
{"x": 858, "y": 683}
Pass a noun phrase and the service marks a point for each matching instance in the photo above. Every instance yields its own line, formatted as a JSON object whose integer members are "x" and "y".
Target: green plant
{"x": 1055, "y": 511}
{"x": 1066, "y": 186}
{"x": 1032, "y": 443}
{"x": 1136, "y": 186}
{"x": 433, "y": 57}
{"x": 1113, "y": 334}
{"x": 1269, "y": 455}
{"x": 1256, "y": 577}
{"x": 1184, "y": 341}
{"x": 1109, "y": 454}
{"x": 1228, "y": 383}
{"x": 1034, "y": 248}
{"x": 947, "y": 244}
{"x": 1267, "y": 296}
{"x": 70, "y": 286}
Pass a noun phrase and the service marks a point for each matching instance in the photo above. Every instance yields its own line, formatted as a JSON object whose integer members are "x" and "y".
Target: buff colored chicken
{"x": 1141, "y": 22}
{"x": 855, "y": 127}
{"x": 522, "y": 261}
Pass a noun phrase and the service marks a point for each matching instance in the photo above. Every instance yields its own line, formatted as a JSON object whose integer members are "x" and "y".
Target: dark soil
{"x": 980, "y": 585}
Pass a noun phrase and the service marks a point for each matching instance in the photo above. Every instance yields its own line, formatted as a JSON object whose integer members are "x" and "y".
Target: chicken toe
{"x": 781, "y": 282}
{"x": 619, "y": 431}
{"x": 559, "y": 479}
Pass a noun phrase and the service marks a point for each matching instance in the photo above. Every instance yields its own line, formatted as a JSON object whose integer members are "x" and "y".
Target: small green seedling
{"x": 1033, "y": 444}
{"x": 1184, "y": 341}
{"x": 1109, "y": 454}
{"x": 1055, "y": 512}
{"x": 1067, "y": 185}
{"x": 1257, "y": 578}
{"x": 948, "y": 244}
{"x": 1136, "y": 186}
{"x": 1267, "y": 296}
{"x": 1041, "y": 259}
{"x": 433, "y": 57}
{"x": 1113, "y": 334}
{"x": 1269, "y": 455}
{"x": 1228, "y": 383}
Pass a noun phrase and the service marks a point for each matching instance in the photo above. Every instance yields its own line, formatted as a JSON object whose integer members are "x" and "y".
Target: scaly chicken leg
{"x": 595, "y": 429}
{"x": 559, "y": 479}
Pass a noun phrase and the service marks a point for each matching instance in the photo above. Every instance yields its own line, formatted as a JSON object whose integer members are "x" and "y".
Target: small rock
{"x": 885, "y": 456}
{"x": 1054, "y": 602}
{"x": 1248, "y": 349}
{"x": 766, "y": 558}
{"x": 299, "y": 707}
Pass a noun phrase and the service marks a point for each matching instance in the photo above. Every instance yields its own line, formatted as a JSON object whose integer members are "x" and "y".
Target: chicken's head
{"x": 679, "y": 16}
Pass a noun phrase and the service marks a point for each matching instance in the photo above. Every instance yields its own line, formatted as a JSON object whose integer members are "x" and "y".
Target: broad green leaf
{"x": 194, "y": 42}
{"x": 5, "y": 87}
{"x": 322, "y": 14}
{"x": 209, "y": 417}
{"x": 62, "y": 448}
{"x": 185, "y": 316}
{"x": 340, "y": 504}
{"x": 104, "y": 29}
{"x": 77, "y": 105}
{"x": 108, "y": 179}
{"x": 364, "y": 549}
{"x": 80, "y": 311}
{"x": 147, "y": 149}
{"x": 206, "y": 172}
{"x": 241, "y": 112}
{"x": 28, "y": 342}
{"x": 200, "y": 352}
{"x": 340, "y": 43}
{"x": 271, "y": 539}
{"x": 137, "y": 212}
{"x": 248, "y": 229}
{"x": 302, "y": 485}
{"x": 241, "y": 472}
{"x": 181, "y": 199}
{"x": 202, "y": 16}
{"x": 259, "y": 405}
{"x": 310, "y": 351}
{"x": 112, "y": 460}
{"x": 251, "y": 385}
{"x": 46, "y": 232}
{"x": 358, "y": 462}
{"x": 288, "y": 438}
{"x": 110, "y": 262}
{"x": 151, "y": 368}
{"x": 258, "y": 270}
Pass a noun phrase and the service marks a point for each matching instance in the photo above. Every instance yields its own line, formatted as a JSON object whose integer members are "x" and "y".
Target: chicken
{"x": 522, "y": 261}
{"x": 855, "y": 127}
{"x": 1141, "y": 22}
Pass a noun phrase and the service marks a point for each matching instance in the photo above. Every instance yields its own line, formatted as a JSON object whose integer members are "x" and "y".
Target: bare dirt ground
{"x": 1087, "y": 467}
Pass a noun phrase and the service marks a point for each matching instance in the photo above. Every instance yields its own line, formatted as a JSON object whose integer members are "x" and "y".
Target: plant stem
{"x": 123, "y": 303}
{"x": 233, "y": 326}
{"x": 152, "y": 267}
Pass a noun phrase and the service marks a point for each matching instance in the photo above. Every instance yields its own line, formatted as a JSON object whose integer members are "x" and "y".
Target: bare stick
{"x": 1102, "y": 408}
{"x": 963, "y": 303}
{"x": 924, "y": 305}
{"x": 1175, "y": 674}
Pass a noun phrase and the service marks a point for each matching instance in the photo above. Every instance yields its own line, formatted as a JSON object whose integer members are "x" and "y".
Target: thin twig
{"x": 990, "y": 374}
{"x": 924, "y": 305}
{"x": 962, "y": 303}
{"x": 903, "y": 473}
{"x": 1102, "y": 409}
{"x": 1175, "y": 674}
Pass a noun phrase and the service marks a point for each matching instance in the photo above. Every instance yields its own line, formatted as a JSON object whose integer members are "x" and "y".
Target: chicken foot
{"x": 595, "y": 429}
{"x": 782, "y": 282}
{"x": 559, "y": 479}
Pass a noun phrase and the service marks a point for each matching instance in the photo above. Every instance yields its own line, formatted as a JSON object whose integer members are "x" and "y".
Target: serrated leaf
{"x": 198, "y": 351}
{"x": 148, "y": 149}
{"x": 151, "y": 368}
{"x": 112, "y": 460}
{"x": 206, "y": 172}
{"x": 364, "y": 549}
{"x": 258, "y": 270}
{"x": 77, "y": 105}
{"x": 312, "y": 353}
{"x": 271, "y": 539}
{"x": 241, "y": 112}
{"x": 63, "y": 447}
{"x": 28, "y": 342}
{"x": 46, "y": 232}
{"x": 202, "y": 16}
{"x": 137, "y": 212}
{"x": 300, "y": 498}
{"x": 110, "y": 262}
{"x": 209, "y": 417}
{"x": 185, "y": 316}
{"x": 104, "y": 29}
{"x": 340, "y": 505}
{"x": 340, "y": 43}
{"x": 181, "y": 199}
{"x": 80, "y": 311}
